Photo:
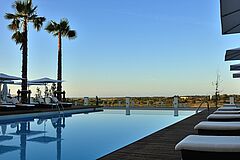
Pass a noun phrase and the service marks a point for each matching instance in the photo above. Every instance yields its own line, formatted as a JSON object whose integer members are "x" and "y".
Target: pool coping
{"x": 155, "y": 108}
{"x": 18, "y": 114}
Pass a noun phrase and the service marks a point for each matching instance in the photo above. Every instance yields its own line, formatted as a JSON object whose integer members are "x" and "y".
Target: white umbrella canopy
{"x": 4, "y": 77}
{"x": 45, "y": 80}
{"x": 230, "y": 16}
{"x": 29, "y": 83}
{"x": 232, "y": 54}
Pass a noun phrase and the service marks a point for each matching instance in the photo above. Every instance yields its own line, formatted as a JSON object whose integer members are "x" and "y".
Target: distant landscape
{"x": 184, "y": 101}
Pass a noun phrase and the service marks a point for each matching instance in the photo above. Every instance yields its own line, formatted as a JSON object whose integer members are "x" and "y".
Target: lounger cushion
{"x": 47, "y": 100}
{"x": 228, "y": 108}
{"x": 207, "y": 125}
{"x": 54, "y": 99}
{"x": 210, "y": 143}
{"x": 227, "y": 112}
{"x": 229, "y": 105}
{"x": 228, "y": 117}
{"x": 40, "y": 100}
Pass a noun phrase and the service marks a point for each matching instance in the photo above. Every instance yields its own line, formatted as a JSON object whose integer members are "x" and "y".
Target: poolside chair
{"x": 40, "y": 100}
{"x": 218, "y": 128}
{"x": 7, "y": 107}
{"x": 11, "y": 100}
{"x": 229, "y": 108}
{"x": 227, "y": 112}
{"x": 63, "y": 104}
{"x": 35, "y": 102}
{"x": 42, "y": 103}
{"x": 230, "y": 105}
{"x": 198, "y": 147}
{"x": 13, "y": 104}
{"x": 48, "y": 101}
{"x": 223, "y": 117}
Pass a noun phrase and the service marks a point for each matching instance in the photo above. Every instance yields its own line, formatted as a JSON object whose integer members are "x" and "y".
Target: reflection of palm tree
{"x": 61, "y": 29}
{"x": 25, "y": 13}
{"x": 23, "y": 140}
{"x": 59, "y": 136}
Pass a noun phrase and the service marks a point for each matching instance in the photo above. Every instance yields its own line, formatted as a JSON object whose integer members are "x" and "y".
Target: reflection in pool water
{"x": 24, "y": 133}
{"x": 78, "y": 136}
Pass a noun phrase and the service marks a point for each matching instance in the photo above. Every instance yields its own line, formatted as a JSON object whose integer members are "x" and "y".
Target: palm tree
{"x": 61, "y": 29}
{"x": 25, "y": 12}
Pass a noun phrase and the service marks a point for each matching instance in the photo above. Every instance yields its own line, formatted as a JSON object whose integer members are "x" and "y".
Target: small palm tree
{"x": 25, "y": 12}
{"x": 61, "y": 29}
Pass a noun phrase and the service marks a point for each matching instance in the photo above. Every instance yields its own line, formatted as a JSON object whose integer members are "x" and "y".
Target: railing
{"x": 205, "y": 101}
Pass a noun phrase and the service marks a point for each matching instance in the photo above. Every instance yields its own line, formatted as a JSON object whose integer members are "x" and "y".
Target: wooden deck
{"x": 159, "y": 145}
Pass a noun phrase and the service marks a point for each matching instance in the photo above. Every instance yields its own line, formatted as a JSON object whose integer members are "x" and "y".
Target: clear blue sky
{"x": 128, "y": 47}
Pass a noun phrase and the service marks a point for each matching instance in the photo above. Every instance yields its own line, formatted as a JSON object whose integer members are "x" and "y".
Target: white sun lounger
{"x": 227, "y": 112}
{"x": 25, "y": 105}
{"x": 7, "y": 105}
{"x": 229, "y": 105}
{"x": 229, "y": 108}
{"x": 218, "y": 128}
{"x": 63, "y": 104}
{"x": 223, "y": 117}
{"x": 209, "y": 147}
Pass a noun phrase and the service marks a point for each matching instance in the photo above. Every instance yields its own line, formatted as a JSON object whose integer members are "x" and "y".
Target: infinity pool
{"x": 79, "y": 136}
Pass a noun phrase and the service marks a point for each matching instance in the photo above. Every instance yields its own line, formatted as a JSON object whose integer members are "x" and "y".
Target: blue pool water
{"x": 79, "y": 136}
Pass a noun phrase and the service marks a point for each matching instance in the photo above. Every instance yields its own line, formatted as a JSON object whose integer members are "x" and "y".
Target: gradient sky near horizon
{"x": 128, "y": 47}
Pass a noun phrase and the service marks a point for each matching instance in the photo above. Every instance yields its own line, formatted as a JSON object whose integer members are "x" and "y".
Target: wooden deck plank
{"x": 159, "y": 145}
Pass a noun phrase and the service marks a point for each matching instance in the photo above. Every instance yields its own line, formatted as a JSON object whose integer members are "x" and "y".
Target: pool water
{"x": 80, "y": 136}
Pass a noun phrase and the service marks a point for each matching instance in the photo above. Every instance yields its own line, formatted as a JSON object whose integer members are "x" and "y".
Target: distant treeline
{"x": 184, "y": 101}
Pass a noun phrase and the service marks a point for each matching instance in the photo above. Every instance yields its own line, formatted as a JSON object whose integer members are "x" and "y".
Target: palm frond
{"x": 32, "y": 11}
{"x": 18, "y": 37}
{"x": 64, "y": 31}
{"x": 32, "y": 17}
{"x": 51, "y": 27}
{"x": 24, "y": 12}
{"x": 29, "y": 7}
{"x": 54, "y": 23}
{"x": 63, "y": 28}
{"x": 64, "y": 24}
{"x": 14, "y": 26}
{"x": 72, "y": 34}
{"x": 19, "y": 6}
{"x": 10, "y": 16}
{"x": 38, "y": 22}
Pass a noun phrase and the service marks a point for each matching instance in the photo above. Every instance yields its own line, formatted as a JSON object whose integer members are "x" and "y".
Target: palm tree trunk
{"x": 24, "y": 63}
{"x": 59, "y": 71}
